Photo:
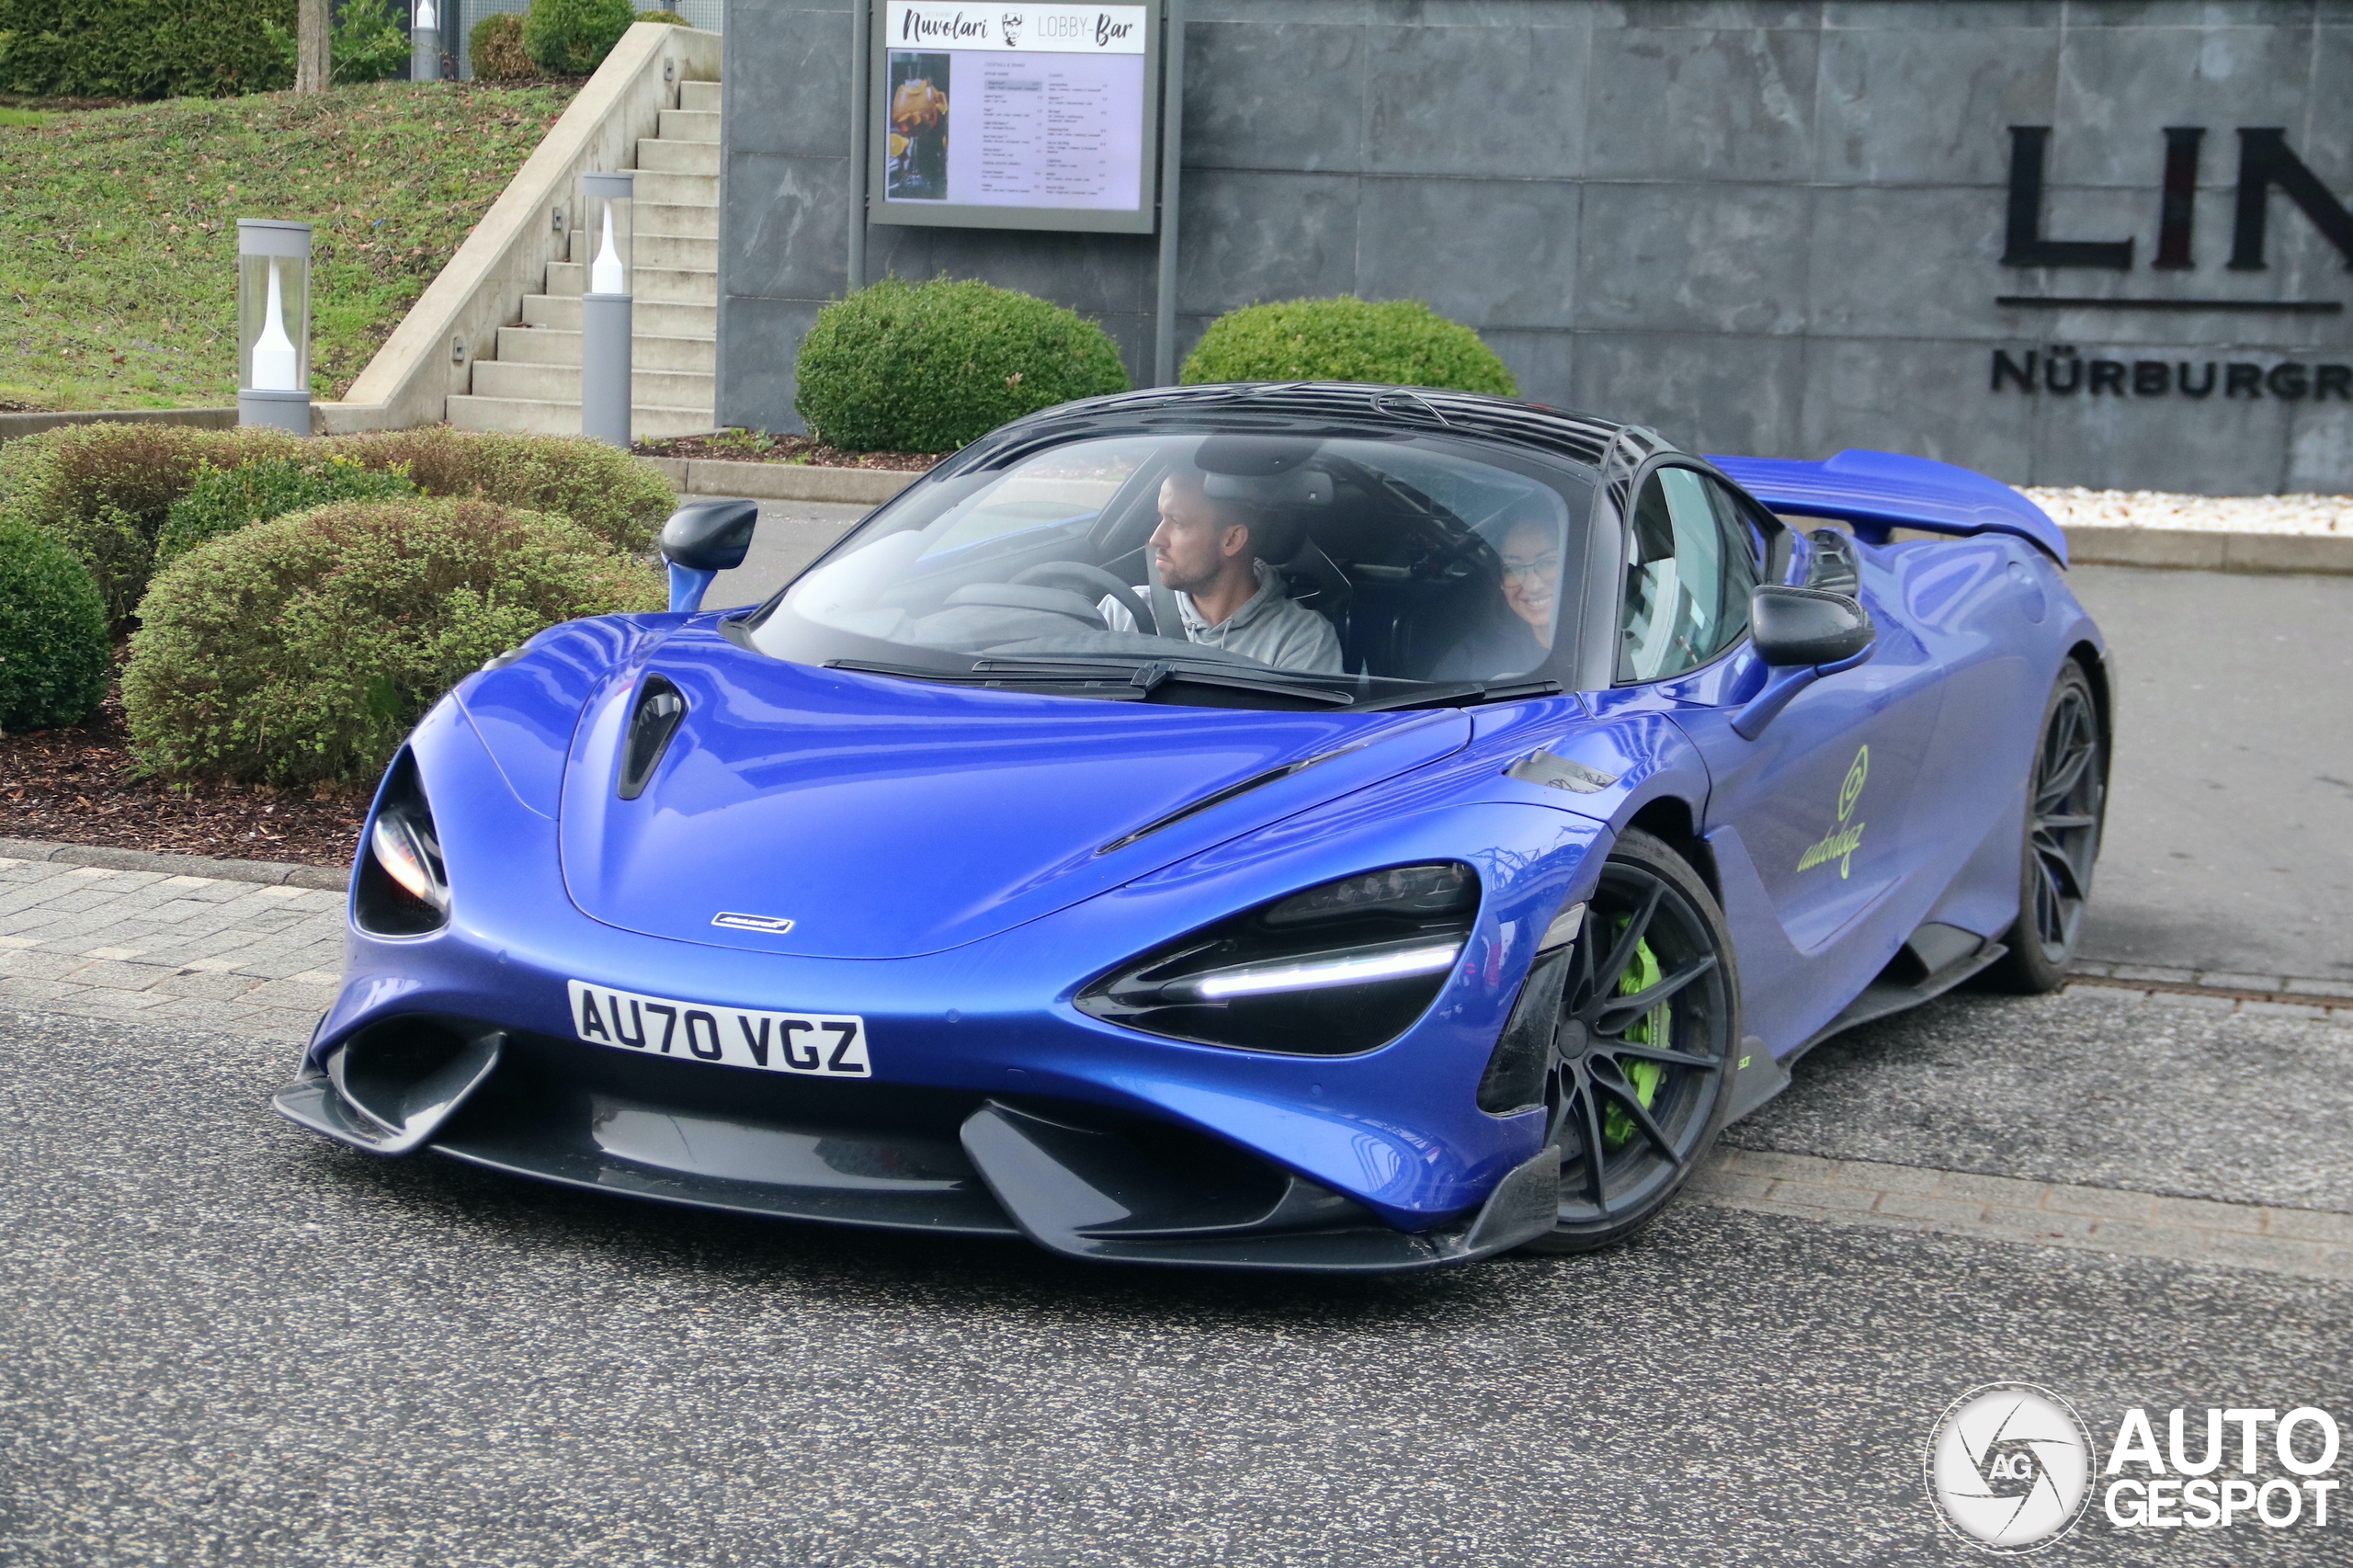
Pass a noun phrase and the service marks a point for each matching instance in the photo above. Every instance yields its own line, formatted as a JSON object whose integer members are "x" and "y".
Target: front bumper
{"x": 997, "y": 1107}
{"x": 1071, "y": 1177}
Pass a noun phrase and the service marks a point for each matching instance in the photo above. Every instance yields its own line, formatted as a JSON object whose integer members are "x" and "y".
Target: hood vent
{"x": 660, "y": 706}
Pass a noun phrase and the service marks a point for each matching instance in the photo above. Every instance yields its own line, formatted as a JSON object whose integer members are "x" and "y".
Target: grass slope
{"x": 119, "y": 233}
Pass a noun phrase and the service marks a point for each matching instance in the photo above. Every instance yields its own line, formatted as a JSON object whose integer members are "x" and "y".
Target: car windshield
{"x": 1227, "y": 568}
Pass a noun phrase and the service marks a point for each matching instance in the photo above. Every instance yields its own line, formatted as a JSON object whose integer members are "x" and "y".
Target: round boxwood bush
{"x": 53, "y": 648}
{"x": 1397, "y": 343}
{"x": 495, "y": 49}
{"x": 224, "y": 500}
{"x": 571, "y": 37}
{"x": 928, "y": 367}
{"x": 301, "y": 650}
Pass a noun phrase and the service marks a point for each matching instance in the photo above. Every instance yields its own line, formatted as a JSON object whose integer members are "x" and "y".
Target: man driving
{"x": 1213, "y": 554}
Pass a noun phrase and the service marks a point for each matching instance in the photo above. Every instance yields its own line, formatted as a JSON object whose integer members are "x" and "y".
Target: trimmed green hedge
{"x": 1398, "y": 343}
{"x": 221, "y": 501}
{"x": 54, "y": 650}
{"x": 103, "y": 491}
{"x": 107, "y": 491}
{"x": 571, "y": 37}
{"x": 929, "y": 367}
{"x": 143, "y": 49}
{"x": 301, "y": 650}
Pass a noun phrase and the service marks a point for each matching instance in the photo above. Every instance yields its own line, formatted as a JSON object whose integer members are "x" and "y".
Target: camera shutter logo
{"x": 2009, "y": 1467}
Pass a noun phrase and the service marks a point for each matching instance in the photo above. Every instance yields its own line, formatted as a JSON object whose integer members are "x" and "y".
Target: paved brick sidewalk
{"x": 2307, "y": 1242}
{"x": 209, "y": 954}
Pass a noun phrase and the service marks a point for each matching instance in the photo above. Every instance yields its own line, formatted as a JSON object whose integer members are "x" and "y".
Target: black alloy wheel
{"x": 1642, "y": 1056}
{"x": 2065, "y": 808}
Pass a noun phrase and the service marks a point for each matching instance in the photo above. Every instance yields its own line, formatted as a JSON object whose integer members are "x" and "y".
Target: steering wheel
{"x": 1102, "y": 582}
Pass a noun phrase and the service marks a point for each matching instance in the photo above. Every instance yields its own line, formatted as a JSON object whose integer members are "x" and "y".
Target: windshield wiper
{"x": 1098, "y": 677}
{"x": 1468, "y": 694}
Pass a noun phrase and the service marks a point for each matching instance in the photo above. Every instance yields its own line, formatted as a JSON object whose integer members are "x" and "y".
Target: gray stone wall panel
{"x": 1709, "y": 393}
{"x": 1442, "y": 100}
{"x": 1275, "y": 95}
{"x": 1701, "y": 103}
{"x": 1488, "y": 253}
{"x": 1911, "y": 395}
{"x": 1252, "y": 236}
{"x": 1960, "y": 93}
{"x": 1693, "y": 257}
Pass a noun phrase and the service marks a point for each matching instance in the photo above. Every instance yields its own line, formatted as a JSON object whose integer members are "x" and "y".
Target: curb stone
{"x": 277, "y": 873}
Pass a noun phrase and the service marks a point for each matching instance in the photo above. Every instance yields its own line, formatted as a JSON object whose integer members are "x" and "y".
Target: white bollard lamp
{"x": 274, "y": 323}
{"x": 605, "y": 309}
{"x": 425, "y": 40}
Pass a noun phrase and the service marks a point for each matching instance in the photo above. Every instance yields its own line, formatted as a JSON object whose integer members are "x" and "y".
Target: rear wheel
{"x": 2066, "y": 801}
{"x": 1642, "y": 1054}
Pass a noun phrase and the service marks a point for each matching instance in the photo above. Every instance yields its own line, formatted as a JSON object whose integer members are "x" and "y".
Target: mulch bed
{"x": 75, "y": 786}
{"x": 732, "y": 446}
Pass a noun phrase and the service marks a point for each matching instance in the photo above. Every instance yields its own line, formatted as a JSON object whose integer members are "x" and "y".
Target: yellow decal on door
{"x": 1841, "y": 842}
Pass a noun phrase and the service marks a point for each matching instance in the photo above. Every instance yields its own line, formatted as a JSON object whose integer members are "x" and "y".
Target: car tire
{"x": 2066, "y": 807}
{"x": 1637, "y": 1097}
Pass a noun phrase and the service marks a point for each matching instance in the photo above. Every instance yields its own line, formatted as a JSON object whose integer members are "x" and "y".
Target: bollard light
{"x": 425, "y": 42}
{"x": 274, "y": 323}
{"x": 604, "y": 312}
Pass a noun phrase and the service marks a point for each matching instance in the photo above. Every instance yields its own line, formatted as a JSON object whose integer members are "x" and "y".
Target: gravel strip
{"x": 2073, "y": 508}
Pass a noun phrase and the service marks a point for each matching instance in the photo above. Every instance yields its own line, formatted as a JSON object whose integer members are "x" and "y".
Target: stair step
{"x": 655, "y": 156}
{"x": 682, "y": 190}
{"x": 561, "y": 383}
{"x": 701, "y": 96}
{"x": 694, "y": 254}
{"x": 537, "y": 417}
{"x": 547, "y": 346}
{"x": 648, "y": 285}
{"x": 648, "y": 318}
{"x": 688, "y": 125}
{"x": 663, "y": 218}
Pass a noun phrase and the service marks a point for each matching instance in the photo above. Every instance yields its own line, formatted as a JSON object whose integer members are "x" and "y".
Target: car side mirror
{"x": 1801, "y": 634}
{"x": 701, "y": 539}
{"x": 1807, "y": 626}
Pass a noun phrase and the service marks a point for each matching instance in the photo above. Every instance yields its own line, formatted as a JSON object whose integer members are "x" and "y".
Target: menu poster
{"x": 1042, "y": 107}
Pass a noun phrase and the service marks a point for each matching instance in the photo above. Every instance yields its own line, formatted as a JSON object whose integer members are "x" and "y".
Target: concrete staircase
{"x": 533, "y": 385}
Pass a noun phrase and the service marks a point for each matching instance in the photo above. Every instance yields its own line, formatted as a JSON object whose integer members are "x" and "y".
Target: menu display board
{"x": 1016, "y": 116}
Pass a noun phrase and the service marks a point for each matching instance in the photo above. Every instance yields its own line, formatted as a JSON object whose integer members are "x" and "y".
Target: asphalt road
{"x": 227, "y": 1341}
{"x": 2230, "y": 828}
{"x": 2230, "y": 841}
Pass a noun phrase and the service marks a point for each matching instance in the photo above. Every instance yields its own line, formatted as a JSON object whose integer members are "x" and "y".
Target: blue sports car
{"x": 1316, "y": 827}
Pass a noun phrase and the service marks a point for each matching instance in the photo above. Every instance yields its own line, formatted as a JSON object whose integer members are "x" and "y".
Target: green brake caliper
{"x": 1617, "y": 1127}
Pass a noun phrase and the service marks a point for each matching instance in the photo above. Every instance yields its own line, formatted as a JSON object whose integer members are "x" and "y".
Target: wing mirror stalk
{"x": 701, "y": 539}
{"x": 1801, "y": 634}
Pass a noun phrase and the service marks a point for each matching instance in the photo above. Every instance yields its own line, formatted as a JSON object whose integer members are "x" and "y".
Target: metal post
{"x": 605, "y": 316}
{"x": 862, "y": 70}
{"x": 1172, "y": 128}
{"x": 425, "y": 40}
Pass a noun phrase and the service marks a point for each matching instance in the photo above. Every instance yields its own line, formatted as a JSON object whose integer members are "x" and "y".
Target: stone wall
{"x": 1765, "y": 228}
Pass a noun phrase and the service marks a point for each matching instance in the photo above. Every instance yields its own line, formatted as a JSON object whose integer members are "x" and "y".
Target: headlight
{"x": 404, "y": 887}
{"x": 1336, "y": 970}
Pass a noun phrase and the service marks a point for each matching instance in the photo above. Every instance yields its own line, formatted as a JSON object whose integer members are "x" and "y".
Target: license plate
{"x": 818, "y": 1045}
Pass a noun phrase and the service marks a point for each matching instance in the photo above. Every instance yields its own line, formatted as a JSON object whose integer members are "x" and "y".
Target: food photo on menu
{"x": 918, "y": 170}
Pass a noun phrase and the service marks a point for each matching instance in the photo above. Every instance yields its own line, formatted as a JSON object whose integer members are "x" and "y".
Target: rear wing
{"x": 1879, "y": 491}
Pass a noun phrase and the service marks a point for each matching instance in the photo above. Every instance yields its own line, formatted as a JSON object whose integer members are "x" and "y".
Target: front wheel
{"x": 1642, "y": 1055}
{"x": 2066, "y": 802}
